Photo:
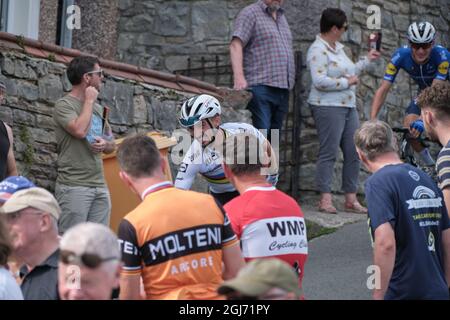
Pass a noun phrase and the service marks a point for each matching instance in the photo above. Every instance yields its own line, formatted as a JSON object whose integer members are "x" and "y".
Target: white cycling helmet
{"x": 421, "y": 32}
{"x": 198, "y": 108}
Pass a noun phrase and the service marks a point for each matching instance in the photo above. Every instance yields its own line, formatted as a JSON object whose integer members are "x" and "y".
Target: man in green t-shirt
{"x": 82, "y": 134}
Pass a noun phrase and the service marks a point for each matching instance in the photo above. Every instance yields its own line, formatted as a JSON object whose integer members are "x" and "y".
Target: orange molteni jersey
{"x": 174, "y": 240}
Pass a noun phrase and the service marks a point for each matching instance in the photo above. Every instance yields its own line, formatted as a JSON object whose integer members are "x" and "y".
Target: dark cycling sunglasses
{"x": 89, "y": 260}
{"x": 189, "y": 122}
{"x": 417, "y": 46}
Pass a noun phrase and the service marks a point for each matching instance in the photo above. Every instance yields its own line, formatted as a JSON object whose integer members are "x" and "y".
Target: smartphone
{"x": 375, "y": 40}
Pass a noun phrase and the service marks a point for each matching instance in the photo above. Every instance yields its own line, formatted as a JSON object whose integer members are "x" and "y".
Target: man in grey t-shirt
{"x": 82, "y": 134}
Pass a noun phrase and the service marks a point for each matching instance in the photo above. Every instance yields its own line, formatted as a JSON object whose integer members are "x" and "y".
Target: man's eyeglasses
{"x": 89, "y": 260}
{"x": 100, "y": 72}
{"x": 345, "y": 26}
{"x": 10, "y": 217}
{"x": 417, "y": 46}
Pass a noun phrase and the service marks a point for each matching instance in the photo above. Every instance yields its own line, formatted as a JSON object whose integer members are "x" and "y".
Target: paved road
{"x": 337, "y": 264}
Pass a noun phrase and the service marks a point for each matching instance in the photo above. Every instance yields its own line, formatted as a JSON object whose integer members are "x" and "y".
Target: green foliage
{"x": 172, "y": 95}
{"x": 21, "y": 41}
{"x": 51, "y": 57}
{"x": 314, "y": 230}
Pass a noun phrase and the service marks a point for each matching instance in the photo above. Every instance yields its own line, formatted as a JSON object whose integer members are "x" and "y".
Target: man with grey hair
{"x": 32, "y": 218}
{"x": 90, "y": 263}
{"x": 407, "y": 218}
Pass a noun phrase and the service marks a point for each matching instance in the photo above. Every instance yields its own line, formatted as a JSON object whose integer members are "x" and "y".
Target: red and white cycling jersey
{"x": 269, "y": 223}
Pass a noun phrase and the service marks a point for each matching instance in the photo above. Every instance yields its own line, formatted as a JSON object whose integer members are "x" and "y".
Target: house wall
{"x": 48, "y": 24}
{"x": 98, "y": 33}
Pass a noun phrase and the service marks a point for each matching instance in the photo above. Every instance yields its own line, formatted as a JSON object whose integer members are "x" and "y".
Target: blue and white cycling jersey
{"x": 207, "y": 162}
{"x": 437, "y": 66}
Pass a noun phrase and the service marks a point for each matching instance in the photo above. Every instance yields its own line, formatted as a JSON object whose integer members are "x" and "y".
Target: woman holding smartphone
{"x": 333, "y": 103}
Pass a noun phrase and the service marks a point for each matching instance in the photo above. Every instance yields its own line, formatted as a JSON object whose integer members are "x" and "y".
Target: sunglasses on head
{"x": 89, "y": 260}
{"x": 417, "y": 46}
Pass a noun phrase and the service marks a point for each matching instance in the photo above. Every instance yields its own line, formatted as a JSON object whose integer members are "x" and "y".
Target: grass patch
{"x": 315, "y": 230}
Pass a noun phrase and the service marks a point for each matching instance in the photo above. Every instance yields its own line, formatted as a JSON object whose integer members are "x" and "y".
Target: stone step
{"x": 327, "y": 220}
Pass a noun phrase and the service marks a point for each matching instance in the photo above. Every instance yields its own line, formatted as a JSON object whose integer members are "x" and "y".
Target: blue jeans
{"x": 268, "y": 106}
{"x": 413, "y": 108}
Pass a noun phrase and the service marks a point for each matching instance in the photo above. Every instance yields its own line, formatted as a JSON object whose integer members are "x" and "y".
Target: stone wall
{"x": 395, "y": 18}
{"x": 33, "y": 85}
{"x": 164, "y": 34}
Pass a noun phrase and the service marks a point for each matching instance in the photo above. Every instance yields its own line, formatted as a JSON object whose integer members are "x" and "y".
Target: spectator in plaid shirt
{"x": 263, "y": 61}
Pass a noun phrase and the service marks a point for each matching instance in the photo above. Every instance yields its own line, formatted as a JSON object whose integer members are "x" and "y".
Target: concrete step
{"x": 332, "y": 220}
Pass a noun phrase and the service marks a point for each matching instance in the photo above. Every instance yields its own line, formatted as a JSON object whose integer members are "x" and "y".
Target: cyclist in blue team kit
{"x": 427, "y": 64}
{"x": 200, "y": 115}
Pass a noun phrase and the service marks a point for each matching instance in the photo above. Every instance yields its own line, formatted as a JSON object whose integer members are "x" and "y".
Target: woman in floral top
{"x": 333, "y": 104}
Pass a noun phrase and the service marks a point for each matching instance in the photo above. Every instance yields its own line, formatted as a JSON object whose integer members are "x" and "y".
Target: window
{"x": 3, "y": 14}
{"x": 64, "y": 34}
{"x": 22, "y": 17}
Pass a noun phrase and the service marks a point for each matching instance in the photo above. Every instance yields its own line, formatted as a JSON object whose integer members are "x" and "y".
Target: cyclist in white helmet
{"x": 427, "y": 64}
{"x": 200, "y": 115}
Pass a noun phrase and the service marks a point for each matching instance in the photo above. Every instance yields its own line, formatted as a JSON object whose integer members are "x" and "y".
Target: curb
{"x": 327, "y": 220}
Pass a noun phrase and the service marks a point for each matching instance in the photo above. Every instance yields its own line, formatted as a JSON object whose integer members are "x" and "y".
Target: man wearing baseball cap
{"x": 7, "y": 160}
{"x": 263, "y": 279}
{"x": 32, "y": 218}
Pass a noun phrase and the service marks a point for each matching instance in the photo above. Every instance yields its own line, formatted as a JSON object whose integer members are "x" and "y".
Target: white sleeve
{"x": 272, "y": 178}
{"x": 259, "y": 135}
{"x": 361, "y": 65}
{"x": 187, "y": 171}
{"x": 317, "y": 61}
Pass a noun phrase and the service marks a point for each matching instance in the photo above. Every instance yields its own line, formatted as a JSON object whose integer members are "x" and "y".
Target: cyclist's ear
{"x": 428, "y": 116}
{"x": 227, "y": 171}
{"x": 128, "y": 181}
